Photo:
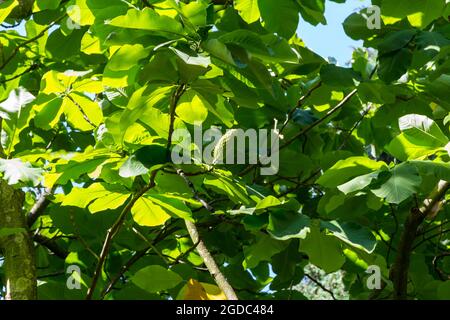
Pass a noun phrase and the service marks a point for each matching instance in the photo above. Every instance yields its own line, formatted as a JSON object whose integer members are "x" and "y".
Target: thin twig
{"x": 164, "y": 232}
{"x": 321, "y": 120}
{"x": 2, "y": 151}
{"x": 151, "y": 245}
{"x": 51, "y": 245}
{"x": 173, "y": 106}
{"x": 300, "y": 104}
{"x": 433, "y": 228}
{"x": 39, "y": 207}
{"x": 85, "y": 117}
{"x": 442, "y": 275}
{"x": 23, "y": 44}
{"x": 196, "y": 196}
{"x": 321, "y": 286}
{"x": 430, "y": 237}
{"x": 137, "y": 256}
{"x": 394, "y": 234}
{"x": 31, "y": 68}
{"x": 356, "y": 125}
{"x": 111, "y": 233}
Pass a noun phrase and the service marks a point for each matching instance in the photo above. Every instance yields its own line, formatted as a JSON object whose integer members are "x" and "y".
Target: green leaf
{"x": 352, "y": 234}
{"x": 396, "y": 41}
{"x": 98, "y": 197}
{"x": 403, "y": 182}
{"x": 395, "y": 64}
{"x": 288, "y": 225}
{"x": 192, "y": 60}
{"x": 228, "y": 186}
{"x": 171, "y": 205}
{"x": 248, "y": 9}
{"x": 146, "y": 213}
{"x": 196, "y": 12}
{"x": 156, "y": 278}
{"x": 219, "y": 50}
{"x": 420, "y": 13}
{"x": 86, "y": 12}
{"x": 337, "y": 76}
{"x": 151, "y": 155}
{"x": 141, "y": 100}
{"x": 358, "y": 183}
{"x": 313, "y": 11}
{"x": 323, "y": 250}
{"x": 355, "y": 26}
{"x": 280, "y": 16}
{"x": 126, "y": 57}
{"x": 81, "y": 112}
{"x": 267, "y": 202}
{"x": 443, "y": 290}
{"x": 148, "y": 19}
{"x": 285, "y": 265}
{"x": 112, "y": 200}
{"x": 61, "y": 46}
{"x": 420, "y": 137}
{"x": 48, "y": 111}
{"x": 349, "y": 168}
{"x": 376, "y": 92}
{"x": 40, "y": 5}
{"x": 440, "y": 170}
{"x": 192, "y": 107}
{"x": 6, "y": 8}
{"x": 132, "y": 168}
{"x": 262, "y": 250}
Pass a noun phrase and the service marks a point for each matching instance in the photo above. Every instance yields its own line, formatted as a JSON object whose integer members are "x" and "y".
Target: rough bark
{"x": 399, "y": 270}
{"x": 17, "y": 248}
{"x": 210, "y": 263}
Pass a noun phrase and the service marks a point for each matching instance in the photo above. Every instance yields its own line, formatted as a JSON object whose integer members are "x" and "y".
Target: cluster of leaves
{"x": 93, "y": 91}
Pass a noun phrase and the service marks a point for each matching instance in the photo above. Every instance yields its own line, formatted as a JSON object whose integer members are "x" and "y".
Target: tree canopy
{"x": 93, "y": 206}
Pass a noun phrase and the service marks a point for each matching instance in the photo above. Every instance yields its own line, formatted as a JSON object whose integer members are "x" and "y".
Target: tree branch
{"x": 23, "y": 44}
{"x": 202, "y": 250}
{"x": 51, "y": 245}
{"x": 321, "y": 120}
{"x": 173, "y": 106}
{"x": 399, "y": 270}
{"x": 85, "y": 117}
{"x": 442, "y": 275}
{"x": 112, "y": 233}
{"x": 31, "y": 68}
{"x": 327, "y": 115}
{"x": 2, "y": 152}
{"x": 321, "y": 286}
{"x": 39, "y": 207}
{"x": 137, "y": 256}
{"x": 300, "y": 104}
{"x": 210, "y": 263}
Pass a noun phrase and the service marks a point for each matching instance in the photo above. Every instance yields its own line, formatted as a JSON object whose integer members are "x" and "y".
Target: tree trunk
{"x": 17, "y": 247}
